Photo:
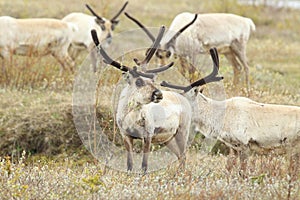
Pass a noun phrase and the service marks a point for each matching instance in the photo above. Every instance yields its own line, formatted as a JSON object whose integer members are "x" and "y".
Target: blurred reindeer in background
{"x": 229, "y": 33}
{"x": 82, "y": 39}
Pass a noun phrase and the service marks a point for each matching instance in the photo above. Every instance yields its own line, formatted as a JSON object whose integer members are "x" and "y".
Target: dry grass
{"x": 205, "y": 177}
{"x": 36, "y": 115}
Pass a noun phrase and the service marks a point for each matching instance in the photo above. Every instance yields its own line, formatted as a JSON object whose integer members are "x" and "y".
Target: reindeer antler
{"x": 153, "y": 48}
{"x": 114, "y": 19}
{"x": 94, "y": 13}
{"x": 134, "y": 72}
{"x": 181, "y": 31}
{"x": 160, "y": 69}
{"x": 148, "y": 33}
{"x": 151, "y": 51}
{"x": 212, "y": 77}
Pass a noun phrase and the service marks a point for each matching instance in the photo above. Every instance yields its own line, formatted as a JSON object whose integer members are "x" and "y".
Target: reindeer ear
{"x": 170, "y": 46}
{"x": 115, "y": 22}
{"x": 192, "y": 94}
{"x": 101, "y": 23}
{"x": 127, "y": 77}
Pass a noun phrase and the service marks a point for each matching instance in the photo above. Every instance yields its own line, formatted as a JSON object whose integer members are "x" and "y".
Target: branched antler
{"x": 212, "y": 77}
{"x": 149, "y": 34}
{"x": 114, "y": 19}
{"x": 134, "y": 71}
{"x": 141, "y": 26}
{"x": 94, "y": 13}
{"x": 181, "y": 31}
{"x": 153, "y": 48}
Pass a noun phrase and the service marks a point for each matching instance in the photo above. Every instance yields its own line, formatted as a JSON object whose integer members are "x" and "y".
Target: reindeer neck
{"x": 209, "y": 115}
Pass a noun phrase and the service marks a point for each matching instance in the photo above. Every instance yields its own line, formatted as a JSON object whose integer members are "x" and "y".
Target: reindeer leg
{"x": 4, "y": 72}
{"x": 175, "y": 145}
{"x": 6, "y": 62}
{"x": 65, "y": 61}
{"x": 61, "y": 62}
{"x": 172, "y": 145}
{"x": 243, "y": 163}
{"x": 93, "y": 54}
{"x": 231, "y": 160}
{"x": 128, "y": 142}
{"x": 181, "y": 141}
{"x": 188, "y": 70}
{"x": 74, "y": 51}
{"x": 146, "y": 151}
{"x": 239, "y": 48}
{"x": 236, "y": 67}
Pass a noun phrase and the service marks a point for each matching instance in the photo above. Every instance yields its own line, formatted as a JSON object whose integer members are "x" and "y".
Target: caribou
{"x": 229, "y": 33}
{"x": 36, "y": 36}
{"x": 147, "y": 113}
{"x": 241, "y": 123}
{"x": 82, "y": 39}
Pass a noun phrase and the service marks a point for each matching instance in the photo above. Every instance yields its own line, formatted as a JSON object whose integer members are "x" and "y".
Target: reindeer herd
{"x": 158, "y": 116}
{"x": 62, "y": 39}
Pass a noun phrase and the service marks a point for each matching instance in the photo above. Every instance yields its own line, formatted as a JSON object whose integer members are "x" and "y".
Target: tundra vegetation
{"x": 36, "y": 116}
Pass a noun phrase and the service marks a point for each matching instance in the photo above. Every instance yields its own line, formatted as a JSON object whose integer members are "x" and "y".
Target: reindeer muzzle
{"x": 157, "y": 96}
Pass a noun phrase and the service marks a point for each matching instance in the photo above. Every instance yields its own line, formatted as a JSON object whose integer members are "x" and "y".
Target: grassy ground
{"x": 205, "y": 177}
{"x": 36, "y": 115}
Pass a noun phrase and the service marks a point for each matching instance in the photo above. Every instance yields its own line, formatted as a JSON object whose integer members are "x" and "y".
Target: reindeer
{"x": 147, "y": 113}
{"x": 229, "y": 33}
{"x": 36, "y": 36}
{"x": 242, "y": 124}
{"x": 82, "y": 39}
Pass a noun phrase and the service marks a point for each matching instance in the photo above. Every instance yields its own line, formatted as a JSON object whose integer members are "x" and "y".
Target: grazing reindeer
{"x": 36, "y": 36}
{"x": 82, "y": 39}
{"x": 186, "y": 70}
{"x": 243, "y": 124}
{"x": 144, "y": 112}
{"x": 229, "y": 33}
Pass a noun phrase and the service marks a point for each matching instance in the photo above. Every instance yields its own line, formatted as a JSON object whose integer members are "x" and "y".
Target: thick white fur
{"x": 229, "y": 33}
{"x": 86, "y": 23}
{"x": 166, "y": 122}
{"x": 36, "y": 36}
{"x": 246, "y": 125}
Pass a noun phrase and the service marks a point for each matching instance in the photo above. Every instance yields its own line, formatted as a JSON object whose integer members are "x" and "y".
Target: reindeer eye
{"x": 139, "y": 82}
{"x": 113, "y": 27}
{"x": 158, "y": 54}
{"x": 168, "y": 54}
{"x": 102, "y": 27}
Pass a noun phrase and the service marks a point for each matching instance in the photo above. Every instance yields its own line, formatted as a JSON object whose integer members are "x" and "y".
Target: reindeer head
{"x": 167, "y": 49}
{"x": 141, "y": 88}
{"x": 107, "y": 26}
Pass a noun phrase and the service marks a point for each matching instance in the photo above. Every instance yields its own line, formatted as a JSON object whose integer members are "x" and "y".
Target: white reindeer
{"x": 36, "y": 36}
{"x": 242, "y": 124}
{"x": 144, "y": 112}
{"x": 229, "y": 33}
{"x": 82, "y": 39}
